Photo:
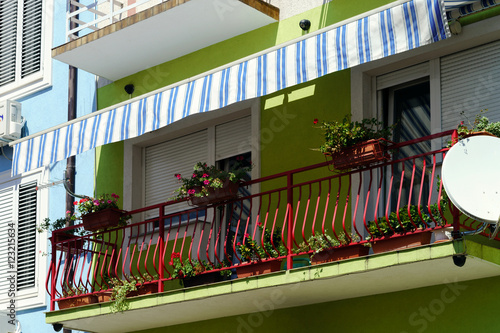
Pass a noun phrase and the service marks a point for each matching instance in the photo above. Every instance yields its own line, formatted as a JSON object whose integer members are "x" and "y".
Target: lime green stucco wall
{"x": 469, "y": 306}
{"x": 287, "y": 116}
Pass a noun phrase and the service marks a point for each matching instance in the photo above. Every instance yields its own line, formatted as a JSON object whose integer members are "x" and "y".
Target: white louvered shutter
{"x": 26, "y": 234}
{"x": 32, "y": 37}
{"x": 470, "y": 82}
{"x": 233, "y": 138}
{"x": 8, "y": 40}
{"x": 20, "y": 39}
{"x": 164, "y": 160}
{"x": 6, "y": 221}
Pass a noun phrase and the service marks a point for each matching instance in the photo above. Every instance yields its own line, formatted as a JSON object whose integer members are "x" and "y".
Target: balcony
{"x": 344, "y": 210}
{"x": 114, "y": 40}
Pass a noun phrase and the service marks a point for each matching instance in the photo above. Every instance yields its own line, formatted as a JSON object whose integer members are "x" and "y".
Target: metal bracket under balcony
{"x": 159, "y": 34}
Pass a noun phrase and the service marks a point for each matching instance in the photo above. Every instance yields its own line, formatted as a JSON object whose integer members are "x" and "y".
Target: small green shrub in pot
{"x": 345, "y": 133}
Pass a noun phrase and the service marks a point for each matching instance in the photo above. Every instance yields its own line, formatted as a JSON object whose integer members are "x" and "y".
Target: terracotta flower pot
{"x": 103, "y": 219}
{"x": 341, "y": 253}
{"x": 402, "y": 242}
{"x": 228, "y": 191}
{"x": 360, "y": 154}
{"x": 77, "y": 301}
{"x": 258, "y": 268}
{"x": 104, "y": 296}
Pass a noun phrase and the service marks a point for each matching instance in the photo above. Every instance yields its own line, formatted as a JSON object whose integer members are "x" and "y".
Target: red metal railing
{"x": 292, "y": 205}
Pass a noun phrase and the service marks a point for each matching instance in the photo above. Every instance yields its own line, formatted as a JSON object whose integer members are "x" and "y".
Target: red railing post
{"x": 53, "y": 276}
{"x": 289, "y": 195}
{"x": 161, "y": 231}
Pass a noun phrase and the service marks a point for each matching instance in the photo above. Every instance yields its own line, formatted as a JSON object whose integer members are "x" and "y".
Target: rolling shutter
{"x": 164, "y": 160}
{"x": 470, "y": 81}
{"x": 233, "y": 138}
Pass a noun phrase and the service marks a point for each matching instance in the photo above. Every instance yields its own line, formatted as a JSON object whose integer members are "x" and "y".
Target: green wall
{"x": 470, "y": 306}
{"x": 287, "y": 116}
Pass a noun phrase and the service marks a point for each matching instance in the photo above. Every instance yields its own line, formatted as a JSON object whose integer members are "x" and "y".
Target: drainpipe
{"x": 70, "y": 162}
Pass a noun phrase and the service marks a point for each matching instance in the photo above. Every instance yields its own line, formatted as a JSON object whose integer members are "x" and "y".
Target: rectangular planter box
{"x": 348, "y": 252}
{"x": 145, "y": 289}
{"x": 77, "y": 301}
{"x": 258, "y": 268}
{"x": 227, "y": 192}
{"x": 102, "y": 219}
{"x": 360, "y": 154}
{"x": 201, "y": 279}
{"x": 402, "y": 242}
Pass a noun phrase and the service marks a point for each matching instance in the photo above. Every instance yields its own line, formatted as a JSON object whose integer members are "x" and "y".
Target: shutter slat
{"x": 233, "y": 138}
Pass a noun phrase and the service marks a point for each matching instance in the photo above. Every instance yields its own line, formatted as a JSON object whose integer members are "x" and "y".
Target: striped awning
{"x": 456, "y": 9}
{"x": 394, "y": 29}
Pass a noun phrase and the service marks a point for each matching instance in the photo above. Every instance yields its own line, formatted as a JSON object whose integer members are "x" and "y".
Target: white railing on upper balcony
{"x": 100, "y": 13}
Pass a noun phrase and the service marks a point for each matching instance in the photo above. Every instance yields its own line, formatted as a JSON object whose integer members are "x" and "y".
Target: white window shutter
{"x": 32, "y": 37}
{"x": 8, "y": 40}
{"x": 6, "y": 221}
{"x": 26, "y": 234}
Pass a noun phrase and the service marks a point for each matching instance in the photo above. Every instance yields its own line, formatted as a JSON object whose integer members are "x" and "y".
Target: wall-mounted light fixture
{"x": 305, "y": 24}
{"x": 129, "y": 89}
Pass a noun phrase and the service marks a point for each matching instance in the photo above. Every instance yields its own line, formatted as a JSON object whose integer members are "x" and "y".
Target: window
{"x": 20, "y": 209}
{"x": 408, "y": 107}
{"x": 24, "y": 46}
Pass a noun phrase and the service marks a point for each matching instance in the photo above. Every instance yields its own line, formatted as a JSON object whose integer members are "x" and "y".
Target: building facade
{"x": 193, "y": 81}
{"x": 37, "y": 87}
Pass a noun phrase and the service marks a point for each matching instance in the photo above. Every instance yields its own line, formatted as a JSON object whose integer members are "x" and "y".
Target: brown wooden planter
{"x": 103, "y": 219}
{"x": 363, "y": 153}
{"x": 145, "y": 289}
{"x": 72, "y": 243}
{"x": 402, "y": 242}
{"x": 201, "y": 279}
{"x": 258, "y": 268}
{"x": 341, "y": 253}
{"x": 104, "y": 296}
{"x": 228, "y": 191}
{"x": 77, "y": 301}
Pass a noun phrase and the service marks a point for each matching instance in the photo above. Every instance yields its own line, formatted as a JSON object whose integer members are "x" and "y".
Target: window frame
{"x": 35, "y": 296}
{"x": 41, "y": 79}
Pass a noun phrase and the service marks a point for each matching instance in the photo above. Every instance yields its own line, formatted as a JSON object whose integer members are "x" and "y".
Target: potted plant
{"x": 121, "y": 289}
{"x": 208, "y": 184}
{"x": 258, "y": 256}
{"x": 194, "y": 272}
{"x": 403, "y": 222}
{"x": 101, "y": 213}
{"x": 75, "y": 298}
{"x": 480, "y": 126}
{"x": 354, "y": 143}
{"x": 66, "y": 235}
{"x": 326, "y": 248}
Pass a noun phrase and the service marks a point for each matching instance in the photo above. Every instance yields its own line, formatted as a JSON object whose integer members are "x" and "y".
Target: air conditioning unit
{"x": 11, "y": 121}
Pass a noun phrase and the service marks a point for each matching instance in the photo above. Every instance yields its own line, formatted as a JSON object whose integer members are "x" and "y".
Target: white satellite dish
{"x": 471, "y": 178}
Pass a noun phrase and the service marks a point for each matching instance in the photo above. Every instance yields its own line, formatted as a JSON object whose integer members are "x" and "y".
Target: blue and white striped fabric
{"x": 395, "y": 30}
{"x": 456, "y": 9}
